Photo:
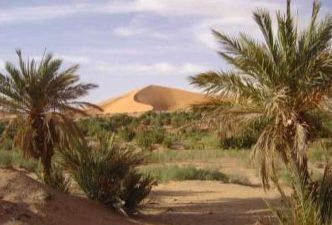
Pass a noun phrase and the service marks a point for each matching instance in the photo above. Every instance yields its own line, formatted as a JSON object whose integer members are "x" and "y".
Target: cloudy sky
{"x": 126, "y": 44}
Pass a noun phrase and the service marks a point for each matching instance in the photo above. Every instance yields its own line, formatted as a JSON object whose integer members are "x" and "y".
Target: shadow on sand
{"x": 220, "y": 211}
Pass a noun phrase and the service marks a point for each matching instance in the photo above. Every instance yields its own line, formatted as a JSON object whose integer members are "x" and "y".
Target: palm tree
{"x": 285, "y": 80}
{"x": 43, "y": 101}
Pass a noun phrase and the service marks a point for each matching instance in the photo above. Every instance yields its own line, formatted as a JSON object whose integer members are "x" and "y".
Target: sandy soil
{"x": 24, "y": 201}
{"x": 150, "y": 98}
{"x": 207, "y": 202}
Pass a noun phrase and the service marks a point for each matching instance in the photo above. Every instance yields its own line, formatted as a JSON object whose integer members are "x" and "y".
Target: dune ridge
{"x": 151, "y": 98}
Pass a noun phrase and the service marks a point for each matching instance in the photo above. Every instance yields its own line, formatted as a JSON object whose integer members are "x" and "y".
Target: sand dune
{"x": 149, "y": 98}
{"x": 24, "y": 201}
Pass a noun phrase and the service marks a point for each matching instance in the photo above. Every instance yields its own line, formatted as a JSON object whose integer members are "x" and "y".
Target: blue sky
{"x": 126, "y": 44}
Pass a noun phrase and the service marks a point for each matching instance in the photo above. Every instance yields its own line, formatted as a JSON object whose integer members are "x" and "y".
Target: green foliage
{"x": 94, "y": 126}
{"x": 57, "y": 179}
{"x": 307, "y": 205}
{"x": 239, "y": 179}
{"x": 168, "y": 141}
{"x": 126, "y": 133}
{"x": 153, "y": 129}
{"x": 243, "y": 142}
{"x": 136, "y": 188}
{"x": 174, "y": 156}
{"x": 14, "y": 158}
{"x": 146, "y": 138}
{"x": 190, "y": 172}
{"x": 44, "y": 100}
{"x": 284, "y": 79}
{"x": 179, "y": 119}
{"x": 108, "y": 174}
{"x": 244, "y": 139}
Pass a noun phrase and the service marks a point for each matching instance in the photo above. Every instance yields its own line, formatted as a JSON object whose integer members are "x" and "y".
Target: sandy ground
{"x": 150, "y": 98}
{"x": 207, "y": 202}
{"x": 24, "y": 201}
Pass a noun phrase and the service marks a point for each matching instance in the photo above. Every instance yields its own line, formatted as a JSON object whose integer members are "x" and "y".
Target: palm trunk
{"x": 302, "y": 171}
{"x": 45, "y": 149}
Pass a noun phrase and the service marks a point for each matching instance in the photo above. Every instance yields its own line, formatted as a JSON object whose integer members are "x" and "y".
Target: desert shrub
{"x": 157, "y": 134}
{"x": 109, "y": 174}
{"x": 240, "y": 142}
{"x": 126, "y": 133}
{"x": 190, "y": 172}
{"x": 93, "y": 126}
{"x": 168, "y": 141}
{"x": 239, "y": 179}
{"x": 137, "y": 188}
{"x": 2, "y": 127}
{"x": 120, "y": 120}
{"x": 56, "y": 180}
{"x": 146, "y": 118}
{"x": 144, "y": 140}
{"x": 180, "y": 119}
{"x": 164, "y": 119}
{"x": 307, "y": 205}
{"x": 193, "y": 141}
{"x": 147, "y": 137}
{"x": 14, "y": 158}
{"x": 6, "y": 143}
{"x": 244, "y": 139}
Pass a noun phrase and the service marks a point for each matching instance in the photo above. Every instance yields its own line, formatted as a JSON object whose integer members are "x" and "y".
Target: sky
{"x": 127, "y": 44}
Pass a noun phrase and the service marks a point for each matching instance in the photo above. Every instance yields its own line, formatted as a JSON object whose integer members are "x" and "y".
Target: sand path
{"x": 207, "y": 203}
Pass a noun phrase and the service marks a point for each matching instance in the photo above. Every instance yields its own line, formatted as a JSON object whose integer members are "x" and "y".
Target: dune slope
{"x": 152, "y": 97}
{"x": 24, "y": 201}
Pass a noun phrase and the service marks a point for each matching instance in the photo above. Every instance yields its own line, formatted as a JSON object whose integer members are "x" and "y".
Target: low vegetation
{"x": 180, "y": 173}
{"x": 167, "y": 173}
{"x": 109, "y": 174}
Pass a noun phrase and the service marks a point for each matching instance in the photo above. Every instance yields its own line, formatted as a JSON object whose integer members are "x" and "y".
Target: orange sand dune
{"x": 150, "y": 98}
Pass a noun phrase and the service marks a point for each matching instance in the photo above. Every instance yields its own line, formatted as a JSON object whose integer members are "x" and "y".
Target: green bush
{"x": 244, "y": 139}
{"x": 168, "y": 141}
{"x": 93, "y": 126}
{"x": 126, "y": 134}
{"x": 190, "y": 172}
{"x": 311, "y": 205}
{"x": 146, "y": 138}
{"x": 109, "y": 174}
{"x": 137, "y": 188}
{"x": 56, "y": 180}
{"x": 239, "y": 142}
{"x": 13, "y": 158}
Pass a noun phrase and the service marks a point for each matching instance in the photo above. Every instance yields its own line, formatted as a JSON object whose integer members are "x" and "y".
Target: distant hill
{"x": 150, "y": 98}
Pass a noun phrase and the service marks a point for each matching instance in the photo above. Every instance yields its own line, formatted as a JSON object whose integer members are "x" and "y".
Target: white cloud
{"x": 40, "y": 13}
{"x": 72, "y": 59}
{"x": 137, "y": 28}
{"x": 156, "y": 69}
{"x": 231, "y": 25}
{"x": 209, "y": 9}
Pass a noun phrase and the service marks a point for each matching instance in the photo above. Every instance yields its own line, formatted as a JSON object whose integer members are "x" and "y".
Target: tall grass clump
{"x": 126, "y": 133}
{"x": 180, "y": 173}
{"x": 306, "y": 205}
{"x": 148, "y": 137}
{"x": 57, "y": 179}
{"x": 14, "y": 158}
{"x": 109, "y": 174}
